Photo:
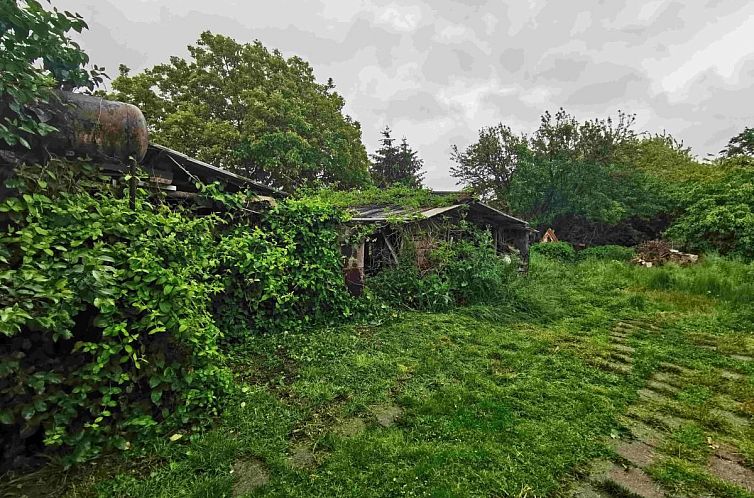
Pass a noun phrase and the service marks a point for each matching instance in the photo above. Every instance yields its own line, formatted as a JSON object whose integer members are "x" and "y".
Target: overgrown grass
{"x": 501, "y": 400}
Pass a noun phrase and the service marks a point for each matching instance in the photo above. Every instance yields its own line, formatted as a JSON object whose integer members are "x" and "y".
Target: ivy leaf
{"x": 6, "y": 417}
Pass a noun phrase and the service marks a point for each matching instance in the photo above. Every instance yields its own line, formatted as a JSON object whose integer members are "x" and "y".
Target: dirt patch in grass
{"x": 386, "y": 415}
{"x": 249, "y": 474}
{"x": 349, "y": 427}
{"x": 638, "y": 453}
{"x": 732, "y": 472}
{"x": 632, "y": 480}
{"x": 302, "y": 456}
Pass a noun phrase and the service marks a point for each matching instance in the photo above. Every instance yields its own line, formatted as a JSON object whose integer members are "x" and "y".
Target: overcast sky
{"x": 437, "y": 71}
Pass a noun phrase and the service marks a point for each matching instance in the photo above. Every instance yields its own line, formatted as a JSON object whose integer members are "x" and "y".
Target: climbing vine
{"x": 112, "y": 319}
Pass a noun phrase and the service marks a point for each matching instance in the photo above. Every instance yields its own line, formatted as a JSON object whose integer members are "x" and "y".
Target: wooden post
{"x": 521, "y": 242}
{"x": 390, "y": 247}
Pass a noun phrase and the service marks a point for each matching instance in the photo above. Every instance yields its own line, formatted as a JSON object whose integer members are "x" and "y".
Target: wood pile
{"x": 659, "y": 252}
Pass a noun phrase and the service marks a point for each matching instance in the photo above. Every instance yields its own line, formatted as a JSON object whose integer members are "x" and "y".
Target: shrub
{"x": 560, "y": 251}
{"x": 104, "y": 323}
{"x": 284, "y": 274}
{"x": 607, "y": 252}
{"x": 111, "y": 317}
{"x": 466, "y": 270}
{"x": 720, "y": 214}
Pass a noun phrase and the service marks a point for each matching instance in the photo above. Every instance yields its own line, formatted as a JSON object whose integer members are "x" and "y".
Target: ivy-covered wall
{"x": 113, "y": 320}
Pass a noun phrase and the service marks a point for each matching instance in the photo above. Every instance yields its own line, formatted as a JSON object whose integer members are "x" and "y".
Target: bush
{"x": 720, "y": 214}
{"x": 466, "y": 270}
{"x": 111, "y": 317}
{"x": 607, "y": 252}
{"x": 104, "y": 324}
{"x": 284, "y": 274}
{"x": 560, "y": 251}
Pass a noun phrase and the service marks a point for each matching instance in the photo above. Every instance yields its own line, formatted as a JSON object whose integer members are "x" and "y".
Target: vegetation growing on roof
{"x": 398, "y": 196}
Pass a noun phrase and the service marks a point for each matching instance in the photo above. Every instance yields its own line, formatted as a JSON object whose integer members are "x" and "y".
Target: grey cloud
{"x": 420, "y": 105}
{"x": 604, "y": 92}
{"x": 512, "y": 59}
{"x": 437, "y": 71}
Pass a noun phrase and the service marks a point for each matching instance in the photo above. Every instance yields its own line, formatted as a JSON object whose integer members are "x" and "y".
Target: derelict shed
{"x": 426, "y": 228}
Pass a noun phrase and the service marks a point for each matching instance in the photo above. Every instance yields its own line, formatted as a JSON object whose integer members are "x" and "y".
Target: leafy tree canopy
{"x": 252, "y": 111}
{"x": 396, "y": 164}
{"x": 740, "y": 145}
{"x": 719, "y": 214}
{"x": 566, "y": 168}
{"x": 487, "y": 166}
{"x": 36, "y": 55}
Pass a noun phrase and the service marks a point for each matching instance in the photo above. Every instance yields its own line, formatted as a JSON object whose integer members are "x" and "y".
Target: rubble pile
{"x": 659, "y": 252}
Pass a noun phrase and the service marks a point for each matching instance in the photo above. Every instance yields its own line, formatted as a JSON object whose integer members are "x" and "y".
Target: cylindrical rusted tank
{"x": 92, "y": 126}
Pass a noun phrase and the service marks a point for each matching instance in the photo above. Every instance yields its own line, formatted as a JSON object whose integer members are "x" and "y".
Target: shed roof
{"x": 185, "y": 170}
{"x": 478, "y": 210}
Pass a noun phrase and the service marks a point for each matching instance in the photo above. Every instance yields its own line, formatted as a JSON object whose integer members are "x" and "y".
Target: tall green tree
{"x": 396, "y": 164}
{"x": 740, "y": 145}
{"x": 250, "y": 110}
{"x": 36, "y": 55}
{"x": 580, "y": 169}
{"x": 566, "y": 168}
{"x": 487, "y": 166}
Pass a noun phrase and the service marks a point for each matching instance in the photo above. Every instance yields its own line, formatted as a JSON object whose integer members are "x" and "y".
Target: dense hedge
{"x": 608, "y": 253}
{"x": 284, "y": 274}
{"x": 111, "y": 317}
{"x": 719, "y": 213}
{"x": 561, "y": 251}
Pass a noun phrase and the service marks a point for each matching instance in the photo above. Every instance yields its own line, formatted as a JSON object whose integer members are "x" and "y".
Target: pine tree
{"x": 392, "y": 164}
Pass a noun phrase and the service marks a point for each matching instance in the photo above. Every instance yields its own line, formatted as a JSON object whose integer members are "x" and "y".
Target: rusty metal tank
{"x": 92, "y": 126}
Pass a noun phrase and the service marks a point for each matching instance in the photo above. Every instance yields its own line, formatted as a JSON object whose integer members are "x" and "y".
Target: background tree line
{"x": 600, "y": 181}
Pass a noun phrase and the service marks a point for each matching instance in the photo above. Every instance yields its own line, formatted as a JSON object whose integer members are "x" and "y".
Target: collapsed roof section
{"x": 477, "y": 211}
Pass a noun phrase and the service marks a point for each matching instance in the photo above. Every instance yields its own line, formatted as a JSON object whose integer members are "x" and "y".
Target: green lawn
{"x": 525, "y": 398}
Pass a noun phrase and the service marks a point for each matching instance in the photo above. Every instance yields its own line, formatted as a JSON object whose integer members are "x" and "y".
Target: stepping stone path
{"x": 643, "y": 446}
{"x": 618, "y": 358}
{"x": 302, "y": 456}
{"x": 727, "y": 465}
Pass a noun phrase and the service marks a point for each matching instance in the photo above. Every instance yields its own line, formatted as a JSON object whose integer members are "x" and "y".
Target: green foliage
{"x": 607, "y": 252}
{"x": 719, "y": 214}
{"x": 398, "y": 195}
{"x": 725, "y": 279}
{"x": 740, "y": 145}
{"x": 488, "y": 165}
{"x": 252, "y": 111}
{"x": 111, "y": 318}
{"x": 396, "y": 165}
{"x": 284, "y": 274}
{"x": 565, "y": 169}
{"x": 559, "y": 251}
{"x": 464, "y": 270}
{"x": 103, "y": 318}
{"x": 29, "y": 34}
{"x": 581, "y": 169}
